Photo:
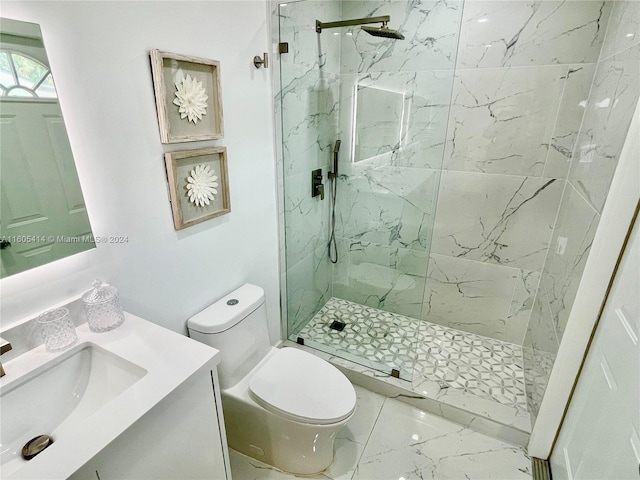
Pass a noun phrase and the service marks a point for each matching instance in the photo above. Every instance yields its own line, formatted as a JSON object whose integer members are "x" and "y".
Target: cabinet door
{"x": 180, "y": 438}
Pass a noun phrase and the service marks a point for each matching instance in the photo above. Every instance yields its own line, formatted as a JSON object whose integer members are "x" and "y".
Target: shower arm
{"x": 384, "y": 19}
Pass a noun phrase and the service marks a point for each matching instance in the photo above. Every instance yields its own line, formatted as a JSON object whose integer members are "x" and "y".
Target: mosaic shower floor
{"x": 421, "y": 351}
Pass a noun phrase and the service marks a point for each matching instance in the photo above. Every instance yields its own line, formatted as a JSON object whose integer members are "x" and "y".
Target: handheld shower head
{"x": 336, "y": 152}
{"x": 384, "y": 32}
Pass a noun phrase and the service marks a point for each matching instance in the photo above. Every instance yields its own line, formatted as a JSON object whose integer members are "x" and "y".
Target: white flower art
{"x": 191, "y": 97}
{"x": 201, "y": 185}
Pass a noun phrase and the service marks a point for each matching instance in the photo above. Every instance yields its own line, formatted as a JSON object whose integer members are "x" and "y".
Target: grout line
{"x": 481, "y": 262}
{"x": 586, "y": 200}
{"x": 497, "y": 174}
{"x": 615, "y": 54}
{"x": 554, "y": 327}
{"x": 519, "y": 277}
{"x": 373, "y": 427}
{"x": 546, "y": 257}
{"x": 555, "y": 123}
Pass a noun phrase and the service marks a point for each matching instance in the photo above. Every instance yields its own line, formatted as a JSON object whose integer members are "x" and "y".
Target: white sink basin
{"x": 89, "y": 395}
{"x": 58, "y": 395}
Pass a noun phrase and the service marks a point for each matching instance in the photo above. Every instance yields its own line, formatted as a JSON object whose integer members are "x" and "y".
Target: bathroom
{"x": 167, "y": 276}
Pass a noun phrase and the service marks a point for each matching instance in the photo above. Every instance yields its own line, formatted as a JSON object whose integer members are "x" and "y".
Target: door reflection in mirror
{"x": 43, "y": 214}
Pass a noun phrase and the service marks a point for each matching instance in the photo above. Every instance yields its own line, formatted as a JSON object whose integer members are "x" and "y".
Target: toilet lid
{"x": 303, "y": 387}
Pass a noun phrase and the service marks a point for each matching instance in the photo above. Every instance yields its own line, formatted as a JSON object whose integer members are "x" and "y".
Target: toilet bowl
{"x": 283, "y": 406}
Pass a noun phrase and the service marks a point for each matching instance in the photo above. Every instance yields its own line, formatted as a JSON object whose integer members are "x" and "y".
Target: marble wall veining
{"x": 309, "y": 104}
{"x": 386, "y": 202}
{"x": 504, "y": 33}
{"x": 522, "y": 78}
{"x": 611, "y": 103}
{"x": 476, "y": 205}
{"x": 430, "y": 28}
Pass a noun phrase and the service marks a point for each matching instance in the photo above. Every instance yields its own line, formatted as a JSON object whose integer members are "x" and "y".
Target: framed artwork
{"x": 198, "y": 185}
{"x": 188, "y": 97}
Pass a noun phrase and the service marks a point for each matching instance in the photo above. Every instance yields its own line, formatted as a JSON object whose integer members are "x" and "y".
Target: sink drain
{"x": 35, "y": 446}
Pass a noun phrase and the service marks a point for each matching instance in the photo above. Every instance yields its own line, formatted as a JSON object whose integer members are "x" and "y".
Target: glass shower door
{"x": 387, "y": 101}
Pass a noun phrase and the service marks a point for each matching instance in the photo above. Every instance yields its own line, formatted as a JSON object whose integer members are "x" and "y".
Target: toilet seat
{"x": 303, "y": 388}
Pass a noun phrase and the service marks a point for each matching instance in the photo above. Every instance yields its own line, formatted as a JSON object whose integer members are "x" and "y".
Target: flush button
{"x": 232, "y": 302}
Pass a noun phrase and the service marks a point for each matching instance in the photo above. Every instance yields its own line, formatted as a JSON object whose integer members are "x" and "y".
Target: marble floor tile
{"x": 352, "y": 439}
{"x": 349, "y": 445}
{"x": 409, "y": 443}
{"x": 482, "y": 366}
{"x": 247, "y": 468}
{"x": 422, "y": 351}
{"x": 388, "y": 439}
{"x": 382, "y": 340}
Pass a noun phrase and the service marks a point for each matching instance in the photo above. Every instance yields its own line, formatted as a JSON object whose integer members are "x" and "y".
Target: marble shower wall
{"x": 309, "y": 103}
{"x": 489, "y": 124}
{"x": 523, "y": 74}
{"x": 387, "y": 194}
{"x": 487, "y": 132}
{"x": 612, "y": 101}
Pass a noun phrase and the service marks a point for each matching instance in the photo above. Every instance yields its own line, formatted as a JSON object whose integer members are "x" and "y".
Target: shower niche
{"x": 378, "y": 122}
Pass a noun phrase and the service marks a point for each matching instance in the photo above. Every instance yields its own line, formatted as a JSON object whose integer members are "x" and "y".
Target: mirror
{"x": 378, "y": 122}
{"x": 43, "y": 217}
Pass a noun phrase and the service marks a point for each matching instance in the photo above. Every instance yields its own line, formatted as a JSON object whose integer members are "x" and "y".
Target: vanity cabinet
{"x": 182, "y": 437}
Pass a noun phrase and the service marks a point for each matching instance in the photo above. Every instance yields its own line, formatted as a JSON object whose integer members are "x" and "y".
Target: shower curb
{"x": 474, "y": 421}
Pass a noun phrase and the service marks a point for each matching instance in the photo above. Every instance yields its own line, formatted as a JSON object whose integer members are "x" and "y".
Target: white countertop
{"x": 169, "y": 359}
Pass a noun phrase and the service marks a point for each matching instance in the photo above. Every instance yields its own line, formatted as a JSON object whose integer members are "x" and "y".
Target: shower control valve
{"x": 317, "y": 187}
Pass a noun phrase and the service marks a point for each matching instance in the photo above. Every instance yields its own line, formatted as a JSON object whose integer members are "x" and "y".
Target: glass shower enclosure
{"x": 387, "y": 101}
{"x": 475, "y": 159}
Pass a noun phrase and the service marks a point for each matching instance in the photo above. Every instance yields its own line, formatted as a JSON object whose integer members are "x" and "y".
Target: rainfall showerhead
{"x": 383, "y": 31}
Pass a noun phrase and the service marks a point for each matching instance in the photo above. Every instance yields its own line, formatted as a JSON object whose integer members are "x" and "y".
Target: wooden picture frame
{"x": 181, "y": 172}
{"x": 176, "y": 76}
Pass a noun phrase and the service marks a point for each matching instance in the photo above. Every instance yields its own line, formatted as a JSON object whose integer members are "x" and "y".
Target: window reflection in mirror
{"x": 43, "y": 216}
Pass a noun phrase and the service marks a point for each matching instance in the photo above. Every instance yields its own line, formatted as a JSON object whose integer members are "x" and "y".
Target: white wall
{"x": 99, "y": 53}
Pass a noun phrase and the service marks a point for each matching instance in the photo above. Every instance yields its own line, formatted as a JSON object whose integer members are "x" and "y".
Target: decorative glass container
{"x": 102, "y": 305}
{"x": 57, "y": 329}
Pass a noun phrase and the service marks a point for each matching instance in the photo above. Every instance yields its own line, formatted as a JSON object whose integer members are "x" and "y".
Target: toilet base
{"x": 290, "y": 446}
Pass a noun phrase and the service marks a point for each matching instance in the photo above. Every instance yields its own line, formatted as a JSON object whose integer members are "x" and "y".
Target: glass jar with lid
{"x": 103, "y": 308}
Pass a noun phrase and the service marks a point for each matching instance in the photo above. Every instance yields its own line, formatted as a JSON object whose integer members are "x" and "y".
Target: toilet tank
{"x": 236, "y": 325}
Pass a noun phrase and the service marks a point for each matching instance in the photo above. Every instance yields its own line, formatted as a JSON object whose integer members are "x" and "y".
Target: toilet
{"x": 281, "y": 406}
